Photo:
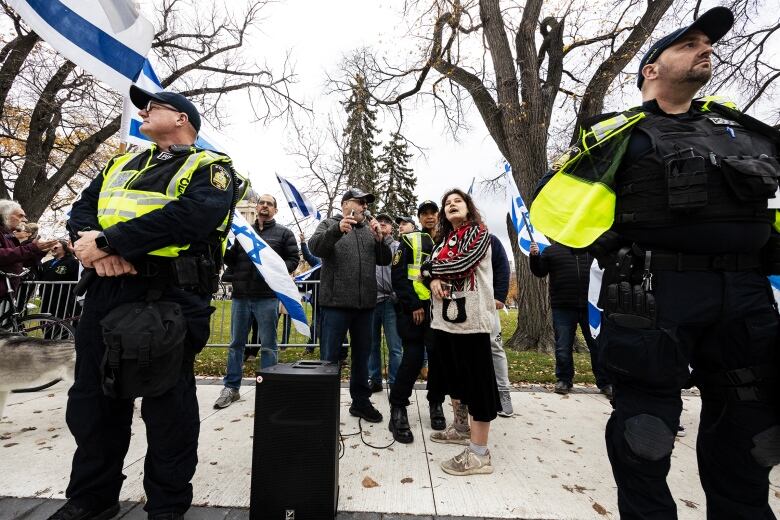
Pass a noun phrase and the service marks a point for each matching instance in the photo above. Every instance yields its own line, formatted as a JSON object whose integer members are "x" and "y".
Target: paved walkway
{"x": 550, "y": 462}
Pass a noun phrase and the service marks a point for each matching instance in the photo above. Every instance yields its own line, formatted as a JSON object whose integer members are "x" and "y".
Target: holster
{"x": 626, "y": 294}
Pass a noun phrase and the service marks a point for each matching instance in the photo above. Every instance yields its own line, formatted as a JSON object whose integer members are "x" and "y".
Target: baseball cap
{"x": 384, "y": 216}
{"x": 405, "y": 218}
{"x": 715, "y": 23}
{"x": 141, "y": 98}
{"x": 427, "y": 204}
{"x": 357, "y": 193}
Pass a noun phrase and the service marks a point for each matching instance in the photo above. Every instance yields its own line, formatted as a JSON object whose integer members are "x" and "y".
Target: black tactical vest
{"x": 702, "y": 169}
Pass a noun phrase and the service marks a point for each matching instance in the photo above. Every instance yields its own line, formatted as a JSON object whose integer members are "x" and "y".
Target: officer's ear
{"x": 650, "y": 71}
{"x": 183, "y": 118}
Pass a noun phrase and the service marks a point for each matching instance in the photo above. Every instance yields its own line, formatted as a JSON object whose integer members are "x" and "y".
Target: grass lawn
{"x": 524, "y": 367}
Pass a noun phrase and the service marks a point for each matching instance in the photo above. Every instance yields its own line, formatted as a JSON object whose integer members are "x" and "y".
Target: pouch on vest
{"x": 752, "y": 179}
{"x": 145, "y": 343}
{"x": 686, "y": 179}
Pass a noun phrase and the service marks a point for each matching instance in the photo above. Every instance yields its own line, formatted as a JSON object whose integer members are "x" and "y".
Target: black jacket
{"x": 500, "y": 263}
{"x": 247, "y": 282}
{"x": 569, "y": 275}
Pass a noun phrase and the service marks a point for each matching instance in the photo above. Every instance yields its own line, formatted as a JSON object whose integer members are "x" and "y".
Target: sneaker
{"x": 438, "y": 421}
{"x": 71, "y": 511}
{"x": 376, "y": 386}
{"x": 367, "y": 412}
{"x": 561, "y": 387}
{"x": 608, "y": 391}
{"x": 226, "y": 398}
{"x": 506, "y": 403}
{"x": 452, "y": 436}
{"x": 681, "y": 431}
{"x": 468, "y": 463}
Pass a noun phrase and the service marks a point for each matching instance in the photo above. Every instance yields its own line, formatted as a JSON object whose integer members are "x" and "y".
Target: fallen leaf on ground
{"x": 10, "y": 444}
{"x": 777, "y": 494}
{"x": 219, "y": 429}
{"x": 407, "y": 480}
{"x": 368, "y": 482}
{"x": 599, "y": 508}
{"x": 689, "y": 503}
{"x": 29, "y": 429}
{"x": 235, "y": 420}
{"x": 567, "y": 441}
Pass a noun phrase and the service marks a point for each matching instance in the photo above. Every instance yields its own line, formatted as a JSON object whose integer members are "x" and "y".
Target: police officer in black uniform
{"x": 142, "y": 225}
{"x": 687, "y": 249}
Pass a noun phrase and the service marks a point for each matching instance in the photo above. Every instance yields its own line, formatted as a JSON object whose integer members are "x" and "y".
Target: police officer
{"x": 142, "y": 225}
{"x": 672, "y": 198}
{"x": 414, "y": 322}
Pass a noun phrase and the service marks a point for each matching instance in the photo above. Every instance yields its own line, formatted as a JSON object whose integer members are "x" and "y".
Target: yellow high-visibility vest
{"x": 117, "y": 203}
{"x": 413, "y": 268}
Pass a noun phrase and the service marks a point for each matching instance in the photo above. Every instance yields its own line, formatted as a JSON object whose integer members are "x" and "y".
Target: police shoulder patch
{"x": 220, "y": 178}
{"x": 397, "y": 257}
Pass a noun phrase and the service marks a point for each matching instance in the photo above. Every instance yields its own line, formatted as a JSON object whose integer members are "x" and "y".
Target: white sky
{"x": 318, "y": 35}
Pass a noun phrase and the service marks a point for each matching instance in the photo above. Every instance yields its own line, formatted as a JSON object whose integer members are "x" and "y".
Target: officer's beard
{"x": 697, "y": 76}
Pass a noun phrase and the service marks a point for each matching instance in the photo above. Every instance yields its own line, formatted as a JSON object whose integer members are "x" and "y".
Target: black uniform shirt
{"x": 191, "y": 219}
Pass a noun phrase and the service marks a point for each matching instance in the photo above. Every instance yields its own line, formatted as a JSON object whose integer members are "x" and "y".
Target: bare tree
{"x": 534, "y": 71}
{"x": 58, "y": 124}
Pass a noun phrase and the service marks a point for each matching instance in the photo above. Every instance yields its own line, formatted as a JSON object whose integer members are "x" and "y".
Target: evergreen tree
{"x": 397, "y": 182}
{"x": 359, "y": 163}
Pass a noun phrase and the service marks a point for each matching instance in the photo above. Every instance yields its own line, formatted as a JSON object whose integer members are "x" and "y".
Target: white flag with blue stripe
{"x": 272, "y": 269}
{"x": 299, "y": 204}
{"x": 774, "y": 281}
{"x": 520, "y": 219}
{"x": 131, "y": 121}
{"x": 107, "y": 38}
{"x": 594, "y": 288}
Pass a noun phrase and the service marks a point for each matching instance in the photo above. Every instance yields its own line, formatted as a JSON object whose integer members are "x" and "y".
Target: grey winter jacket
{"x": 349, "y": 261}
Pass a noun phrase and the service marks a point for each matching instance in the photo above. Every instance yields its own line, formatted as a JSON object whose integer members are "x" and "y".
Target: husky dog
{"x": 29, "y": 362}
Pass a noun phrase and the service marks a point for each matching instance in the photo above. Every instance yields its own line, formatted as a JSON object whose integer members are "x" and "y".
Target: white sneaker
{"x": 468, "y": 463}
{"x": 452, "y": 436}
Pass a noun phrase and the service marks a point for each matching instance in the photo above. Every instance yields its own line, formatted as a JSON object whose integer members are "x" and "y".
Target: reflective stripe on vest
{"x": 118, "y": 204}
{"x": 413, "y": 268}
{"x": 720, "y": 100}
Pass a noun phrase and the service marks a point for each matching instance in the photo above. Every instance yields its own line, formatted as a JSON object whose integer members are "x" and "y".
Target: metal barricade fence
{"x": 58, "y": 299}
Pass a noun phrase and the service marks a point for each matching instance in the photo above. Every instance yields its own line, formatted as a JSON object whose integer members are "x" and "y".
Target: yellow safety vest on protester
{"x": 413, "y": 268}
{"x": 119, "y": 204}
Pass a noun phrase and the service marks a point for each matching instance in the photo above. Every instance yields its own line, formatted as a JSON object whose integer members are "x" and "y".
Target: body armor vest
{"x": 701, "y": 170}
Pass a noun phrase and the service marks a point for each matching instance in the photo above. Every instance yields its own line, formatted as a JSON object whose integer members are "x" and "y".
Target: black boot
{"x": 438, "y": 422}
{"x": 71, "y": 511}
{"x": 399, "y": 425}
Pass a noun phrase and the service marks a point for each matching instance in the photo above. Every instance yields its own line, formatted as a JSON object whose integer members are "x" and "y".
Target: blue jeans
{"x": 565, "y": 321}
{"x": 384, "y": 318}
{"x": 335, "y": 324}
{"x": 266, "y": 312}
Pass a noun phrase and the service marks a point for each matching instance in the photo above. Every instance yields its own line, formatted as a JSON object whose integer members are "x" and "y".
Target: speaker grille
{"x": 295, "y": 448}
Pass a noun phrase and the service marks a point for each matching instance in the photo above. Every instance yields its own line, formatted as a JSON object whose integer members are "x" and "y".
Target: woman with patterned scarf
{"x": 461, "y": 281}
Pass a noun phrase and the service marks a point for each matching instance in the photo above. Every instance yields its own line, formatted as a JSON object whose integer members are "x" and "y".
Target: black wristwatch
{"x": 102, "y": 243}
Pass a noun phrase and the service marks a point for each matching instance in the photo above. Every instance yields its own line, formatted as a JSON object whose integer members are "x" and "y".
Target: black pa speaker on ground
{"x": 295, "y": 455}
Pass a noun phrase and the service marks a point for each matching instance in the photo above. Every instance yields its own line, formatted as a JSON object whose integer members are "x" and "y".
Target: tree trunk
{"x": 534, "y": 326}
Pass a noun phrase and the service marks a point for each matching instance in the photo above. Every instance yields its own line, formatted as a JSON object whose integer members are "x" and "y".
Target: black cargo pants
{"x": 717, "y": 322}
{"x": 101, "y": 425}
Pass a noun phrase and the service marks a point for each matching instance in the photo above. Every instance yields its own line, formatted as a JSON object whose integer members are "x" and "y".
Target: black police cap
{"x": 141, "y": 98}
{"x": 404, "y": 218}
{"x": 715, "y": 23}
{"x": 385, "y": 217}
{"x": 357, "y": 193}
{"x": 427, "y": 204}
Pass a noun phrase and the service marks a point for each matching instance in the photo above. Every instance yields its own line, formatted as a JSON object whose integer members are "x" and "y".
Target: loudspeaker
{"x": 295, "y": 461}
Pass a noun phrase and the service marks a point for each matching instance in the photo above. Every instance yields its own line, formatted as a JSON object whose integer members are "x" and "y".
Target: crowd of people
{"x": 670, "y": 198}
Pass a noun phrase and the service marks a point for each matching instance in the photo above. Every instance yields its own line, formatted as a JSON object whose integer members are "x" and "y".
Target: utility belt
{"x": 757, "y": 383}
{"x": 627, "y": 290}
{"x": 196, "y": 274}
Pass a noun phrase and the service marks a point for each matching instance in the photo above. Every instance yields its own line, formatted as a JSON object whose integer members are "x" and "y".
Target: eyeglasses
{"x": 151, "y": 105}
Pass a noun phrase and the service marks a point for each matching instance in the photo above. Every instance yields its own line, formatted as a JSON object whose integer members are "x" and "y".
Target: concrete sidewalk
{"x": 550, "y": 462}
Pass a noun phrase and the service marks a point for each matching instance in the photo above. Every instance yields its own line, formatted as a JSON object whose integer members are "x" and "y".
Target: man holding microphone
{"x": 351, "y": 245}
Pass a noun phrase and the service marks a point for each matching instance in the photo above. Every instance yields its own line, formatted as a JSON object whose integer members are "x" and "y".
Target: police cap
{"x": 427, "y": 204}
{"x": 715, "y": 23}
{"x": 141, "y": 98}
{"x": 405, "y": 218}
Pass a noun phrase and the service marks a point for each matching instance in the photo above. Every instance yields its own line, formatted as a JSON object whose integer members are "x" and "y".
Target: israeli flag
{"x": 594, "y": 288}
{"x": 272, "y": 269}
{"x": 299, "y": 204}
{"x": 520, "y": 219}
{"x": 471, "y": 188}
{"x": 107, "y": 38}
{"x": 774, "y": 281}
{"x": 131, "y": 121}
